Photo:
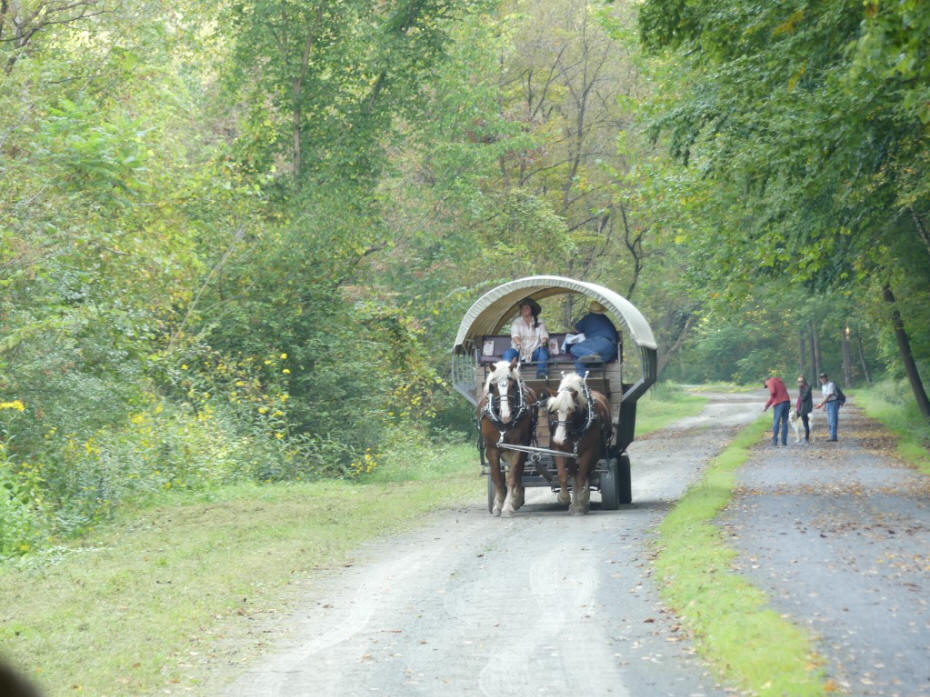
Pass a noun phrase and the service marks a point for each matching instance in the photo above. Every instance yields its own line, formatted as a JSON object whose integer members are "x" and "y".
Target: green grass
{"x": 128, "y": 609}
{"x": 733, "y": 627}
{"x": 125, "y": 611}
{"x": 893, "y": 405}
{"x": 664, "y": 404}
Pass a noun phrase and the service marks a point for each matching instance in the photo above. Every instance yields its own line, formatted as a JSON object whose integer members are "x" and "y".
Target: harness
{"x": 576, "y": 427}
{"x": 492, "y": 410}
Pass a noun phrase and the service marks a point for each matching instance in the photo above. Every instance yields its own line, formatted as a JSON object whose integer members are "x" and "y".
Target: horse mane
{"x": 495, "y": 373}
{"x": 570, "y": 383}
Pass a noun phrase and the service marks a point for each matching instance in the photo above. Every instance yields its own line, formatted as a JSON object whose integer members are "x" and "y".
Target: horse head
{"x": 569, "y": 403}
{"x": 502, "y": 386}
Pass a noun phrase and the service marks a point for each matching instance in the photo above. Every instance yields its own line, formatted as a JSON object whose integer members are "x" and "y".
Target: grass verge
{"x": 131, "y": 609}
{"x": 890, "y": 404}
{"x": 664, "y": 404}
{"x": 732, "y": 626}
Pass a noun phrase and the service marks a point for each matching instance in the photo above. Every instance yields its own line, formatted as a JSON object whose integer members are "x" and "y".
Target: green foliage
{"x": 800, "y": 126}
{"x": 886, "y": 402}
{"x": 323, "y": 80}
{"x": 238, "y": 237}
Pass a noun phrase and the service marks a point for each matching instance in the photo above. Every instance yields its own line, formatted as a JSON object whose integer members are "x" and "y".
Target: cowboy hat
{"x": 595, "y": 306}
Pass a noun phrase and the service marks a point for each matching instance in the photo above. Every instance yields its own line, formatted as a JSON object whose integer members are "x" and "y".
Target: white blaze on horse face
{"x": 500, "y": 378}
{"x": 503, "y": 385}
{"x": 562, "y": 405}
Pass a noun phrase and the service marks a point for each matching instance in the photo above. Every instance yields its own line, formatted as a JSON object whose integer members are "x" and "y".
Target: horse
{"x": 579, "y": 423}
{"x": 507, "y": 413}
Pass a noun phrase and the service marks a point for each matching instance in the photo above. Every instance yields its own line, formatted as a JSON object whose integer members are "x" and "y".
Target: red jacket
{"x": 778, "y": 391}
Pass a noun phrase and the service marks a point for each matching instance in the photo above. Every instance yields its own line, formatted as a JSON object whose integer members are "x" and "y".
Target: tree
{"x": 819, "y": 140}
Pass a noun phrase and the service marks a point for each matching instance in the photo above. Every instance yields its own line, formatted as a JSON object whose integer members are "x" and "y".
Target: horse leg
{"x": 564, "y": 497}
{"x": 514, "y": 481}
{"x": 517, "y": 486}
{"x": 581, "y": 494}
{"x": 494, "y": 461}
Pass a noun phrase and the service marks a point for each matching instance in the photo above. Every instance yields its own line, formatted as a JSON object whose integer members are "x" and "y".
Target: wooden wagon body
{"x": 483, "y": 336}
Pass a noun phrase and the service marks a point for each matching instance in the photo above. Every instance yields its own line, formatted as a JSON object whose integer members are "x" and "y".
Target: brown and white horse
{"x": 506, "y": 414}
{"x": 579, "y": 423}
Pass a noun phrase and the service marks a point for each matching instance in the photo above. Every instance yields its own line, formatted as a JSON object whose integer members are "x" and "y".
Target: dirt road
{"x": 540, "y": 604}
{"x": 544, "y": 603}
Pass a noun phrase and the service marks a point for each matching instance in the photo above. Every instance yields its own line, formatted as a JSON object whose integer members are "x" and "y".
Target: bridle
{"x": 575, "y": 428}
{"x": 517, "y": 410}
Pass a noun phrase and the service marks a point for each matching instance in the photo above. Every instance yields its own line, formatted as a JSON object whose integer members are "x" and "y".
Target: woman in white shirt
{"x": 529, "y": 338}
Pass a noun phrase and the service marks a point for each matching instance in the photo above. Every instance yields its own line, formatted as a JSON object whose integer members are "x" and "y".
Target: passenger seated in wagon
{"x": 600, "y": 338}
{"x": 529, "y": 338}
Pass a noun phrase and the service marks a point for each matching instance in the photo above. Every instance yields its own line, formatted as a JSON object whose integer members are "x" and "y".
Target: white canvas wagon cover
{"x": 491, "y": 311}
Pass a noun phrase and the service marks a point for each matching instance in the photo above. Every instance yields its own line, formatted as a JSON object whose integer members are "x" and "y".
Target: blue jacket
{"x": 595, "y": 324}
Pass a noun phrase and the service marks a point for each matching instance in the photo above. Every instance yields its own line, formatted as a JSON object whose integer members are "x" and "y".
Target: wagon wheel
{"x": 616, "y": 483}
{"x": 624, "y": 480}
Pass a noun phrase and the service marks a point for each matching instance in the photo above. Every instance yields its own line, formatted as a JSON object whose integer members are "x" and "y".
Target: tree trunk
{"x": 865, "y": 367}
{"x": 815, "y": 351}
{"x": 847, "y": 363}
{"x": 921, "y": 229}
{"x": 683, "y": 331}
{"x": 802, "y": 353}
{"x": 904, "y": 346}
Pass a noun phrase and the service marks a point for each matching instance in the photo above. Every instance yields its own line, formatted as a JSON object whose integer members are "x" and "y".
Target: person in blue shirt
{"x": 600, "y": 338}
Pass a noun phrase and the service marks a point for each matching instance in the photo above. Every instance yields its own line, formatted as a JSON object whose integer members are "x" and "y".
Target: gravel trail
{"x": 541, "y": 604}
{"x": 838, "y": 535}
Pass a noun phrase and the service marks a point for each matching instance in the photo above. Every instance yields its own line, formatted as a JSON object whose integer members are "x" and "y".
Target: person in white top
{"x": 830, "y": 402}
{"x": 529, "y": 338}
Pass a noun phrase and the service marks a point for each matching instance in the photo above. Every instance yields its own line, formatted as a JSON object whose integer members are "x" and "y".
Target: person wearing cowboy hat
{"x": 529, "y": 338}
{"x": 600, "y": 338}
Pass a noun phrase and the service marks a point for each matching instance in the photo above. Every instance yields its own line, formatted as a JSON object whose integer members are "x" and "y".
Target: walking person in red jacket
{"x": 780, "y": 403}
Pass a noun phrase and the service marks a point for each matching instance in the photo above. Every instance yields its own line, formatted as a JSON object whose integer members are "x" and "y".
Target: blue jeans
{"x": 600, "y": 345}
{"x": 780, "y": 417}
{"x": 540, "y": 357}
{"x": 833, "y": 413}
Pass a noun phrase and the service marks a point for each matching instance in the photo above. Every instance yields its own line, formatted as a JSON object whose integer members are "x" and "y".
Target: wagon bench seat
{"x": 492, "y": 347}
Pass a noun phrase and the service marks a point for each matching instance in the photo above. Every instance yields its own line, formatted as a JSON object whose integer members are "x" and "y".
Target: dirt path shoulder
{"x": 838, "y": 534}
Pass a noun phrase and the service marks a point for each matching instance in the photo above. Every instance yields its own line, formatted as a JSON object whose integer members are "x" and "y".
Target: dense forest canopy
{"x": 237, "y": 237}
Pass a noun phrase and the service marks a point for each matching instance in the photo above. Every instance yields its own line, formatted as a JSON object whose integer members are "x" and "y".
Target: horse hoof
{"x": 565, "y": 499}
{"x": 507, "y": 513}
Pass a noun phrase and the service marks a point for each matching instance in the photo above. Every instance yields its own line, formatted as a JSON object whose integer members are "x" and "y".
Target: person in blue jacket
{"x": 600, "y": 338}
